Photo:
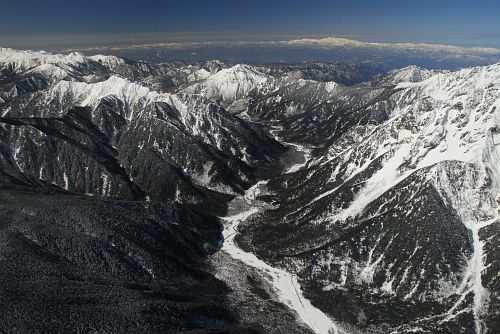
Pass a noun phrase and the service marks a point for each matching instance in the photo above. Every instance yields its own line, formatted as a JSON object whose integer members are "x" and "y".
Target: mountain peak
{"x": 229, "y": 84}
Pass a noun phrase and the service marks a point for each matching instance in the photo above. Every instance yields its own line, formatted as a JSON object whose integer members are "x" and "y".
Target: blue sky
{"x": 26, "y": 23}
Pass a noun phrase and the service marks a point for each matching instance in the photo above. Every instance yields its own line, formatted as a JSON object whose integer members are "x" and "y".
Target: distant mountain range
{"x": 326, "y": 49}
{"x": 209, "y": 196}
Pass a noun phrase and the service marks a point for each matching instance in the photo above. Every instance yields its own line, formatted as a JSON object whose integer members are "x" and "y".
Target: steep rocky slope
{"x": 397, "y": 211}
{"x": 114, "y": 137}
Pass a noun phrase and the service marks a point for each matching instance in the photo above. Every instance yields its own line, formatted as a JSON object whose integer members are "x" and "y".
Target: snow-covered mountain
{"x": 380, "y": 200}
{"x": 399, "y": 211}
{"x": 19, "y": 60}
{"x": 230, "y": 84}
{"x": 194, "y": 143}
{"x": 407, "y": 74}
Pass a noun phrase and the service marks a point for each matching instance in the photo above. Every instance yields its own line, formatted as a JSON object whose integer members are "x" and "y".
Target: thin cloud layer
{"x": 324, "y": 43}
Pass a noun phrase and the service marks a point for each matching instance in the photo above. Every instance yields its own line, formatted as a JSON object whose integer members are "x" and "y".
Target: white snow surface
{"x": 54, "y": 67}
{"x": 409, "y": 74}
{"x": 85, "y": 94}
{"x": 448, "y": 117}
{"x": 134, "y": 95}
{"x": 24, "y": 60}
{"x": 229, "y": 84}
{"x": 108, "y": 61}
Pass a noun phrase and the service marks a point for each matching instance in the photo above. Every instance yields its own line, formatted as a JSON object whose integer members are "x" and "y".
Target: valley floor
{"x": 284, "y": 286}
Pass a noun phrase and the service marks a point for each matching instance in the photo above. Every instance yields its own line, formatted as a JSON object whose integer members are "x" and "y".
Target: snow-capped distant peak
{"x": 108, "y": 61}
{"x": 330, "y": 41}
{"x": 85, "y": 94}
{"x": 410, "y": 73}
{"x": 333, "y": 42}
{"x": 24, "y": 60}
{"x": 230, "y": 84}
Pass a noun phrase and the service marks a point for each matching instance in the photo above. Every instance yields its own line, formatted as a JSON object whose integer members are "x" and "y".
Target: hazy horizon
{"x": 57, "y": 24}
